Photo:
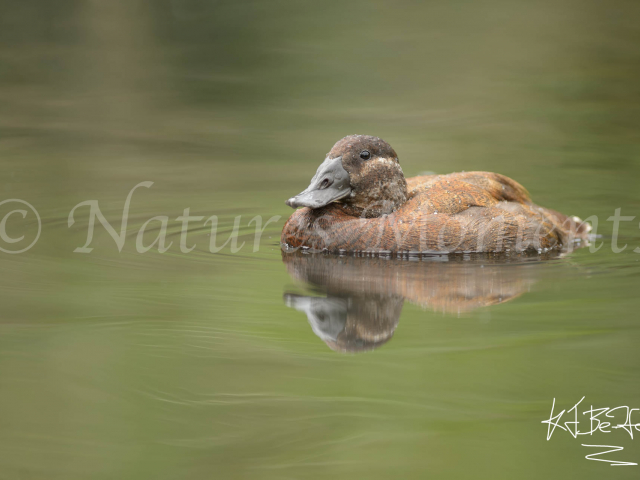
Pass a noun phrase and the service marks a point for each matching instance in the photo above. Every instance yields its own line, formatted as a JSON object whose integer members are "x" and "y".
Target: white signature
{"x": 600, "y": 420}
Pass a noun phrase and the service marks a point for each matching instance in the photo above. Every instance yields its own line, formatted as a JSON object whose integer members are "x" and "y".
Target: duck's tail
{"x": 582, "y": 228}
{"x": 576, "y": 231}
{"x": 573, "y": 230}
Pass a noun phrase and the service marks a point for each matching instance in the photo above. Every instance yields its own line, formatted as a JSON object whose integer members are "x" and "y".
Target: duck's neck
{"x": 377, "y": 199}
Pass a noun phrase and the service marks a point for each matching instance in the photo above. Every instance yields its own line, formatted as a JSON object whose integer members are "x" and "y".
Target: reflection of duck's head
{"x": 351, "y": 324}
{"x": 361, "y": 172}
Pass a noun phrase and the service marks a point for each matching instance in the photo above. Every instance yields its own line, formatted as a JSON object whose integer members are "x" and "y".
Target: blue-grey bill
{"x": 329, "y": 184}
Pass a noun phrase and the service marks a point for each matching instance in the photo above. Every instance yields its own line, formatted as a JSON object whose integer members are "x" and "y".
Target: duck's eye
{"x": 365, "y": 155}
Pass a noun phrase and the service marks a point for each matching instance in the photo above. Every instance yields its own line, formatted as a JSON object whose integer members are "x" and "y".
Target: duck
{"x": 359, "y": 201}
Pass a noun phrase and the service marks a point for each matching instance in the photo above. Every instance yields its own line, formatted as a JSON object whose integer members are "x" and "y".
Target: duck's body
{"x": 459, "y": 212}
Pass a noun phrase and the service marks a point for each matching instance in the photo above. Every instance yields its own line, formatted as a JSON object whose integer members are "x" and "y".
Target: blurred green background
{"x": 163, "y": 366}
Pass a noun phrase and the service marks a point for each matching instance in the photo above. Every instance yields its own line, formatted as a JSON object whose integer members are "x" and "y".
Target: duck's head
{"x": 360, "y": 172}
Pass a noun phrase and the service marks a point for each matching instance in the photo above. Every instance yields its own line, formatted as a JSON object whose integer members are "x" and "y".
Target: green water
{"x": 127, "y": 365}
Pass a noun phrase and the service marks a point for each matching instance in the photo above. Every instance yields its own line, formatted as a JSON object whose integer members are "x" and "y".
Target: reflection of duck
{"x": 359, "y": 200}
{"x": 365, "y": 295}
{"x": 350, "y": 324}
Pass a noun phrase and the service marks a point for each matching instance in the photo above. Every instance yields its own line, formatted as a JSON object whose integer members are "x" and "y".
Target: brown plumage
{"x": 458, "y": 212}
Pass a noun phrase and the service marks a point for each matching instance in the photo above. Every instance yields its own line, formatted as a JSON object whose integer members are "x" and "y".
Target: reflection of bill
{"x": 327, "y": 316}
{"x": 364, "y": 296}
{"x": 15, "y": 244}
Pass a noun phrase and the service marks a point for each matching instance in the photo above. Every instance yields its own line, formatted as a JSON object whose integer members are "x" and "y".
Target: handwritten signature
{"x": 602, "y": 420}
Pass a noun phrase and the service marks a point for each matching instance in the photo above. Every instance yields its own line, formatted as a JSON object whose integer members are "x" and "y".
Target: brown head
{"x": 362, "y": 173}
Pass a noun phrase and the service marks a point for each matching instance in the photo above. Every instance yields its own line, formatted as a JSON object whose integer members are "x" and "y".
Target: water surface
{"x": 120, "y": 364}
